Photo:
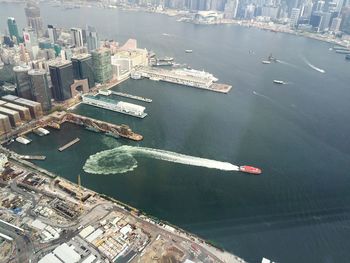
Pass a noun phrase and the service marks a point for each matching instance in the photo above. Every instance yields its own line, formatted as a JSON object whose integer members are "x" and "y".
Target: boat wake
{"x": 122, "y": 160}
{"x": 263, "y": 96}
{"x": 286, "y": 63}
{"x": 313, "y": 66}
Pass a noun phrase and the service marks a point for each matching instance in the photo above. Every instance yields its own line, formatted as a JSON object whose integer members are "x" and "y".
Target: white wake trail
{"x": 122, "y": 159}
{"x": 313, "y": 66}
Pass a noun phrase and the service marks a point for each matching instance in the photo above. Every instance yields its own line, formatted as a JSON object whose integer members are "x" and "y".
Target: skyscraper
{"x": 101, "y": 59}
{"x": 92, "y": 39}
{"x": 40, "y": 88}
{"x": 77, "y": 37}
{"x": 83, "y": 68}
{"x": 34, "y": 19}
{"x": 31, "y": 42}
{"x": 62, "y": 78}
{"x": 13, "y": 29}
{"x": 23, "y": 87}
{"x": 294, "y": 17}
{"x": 52, "y": 33}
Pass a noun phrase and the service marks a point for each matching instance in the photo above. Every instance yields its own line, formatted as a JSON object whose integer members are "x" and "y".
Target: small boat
{"x": 278, "y": 81}
{"x": 266, "y": 62}
{"x": 250, "y": 169}
{"x": 188, "y": 50}
{"x": 347, "y": 57}
{"x": 23, "y": 140}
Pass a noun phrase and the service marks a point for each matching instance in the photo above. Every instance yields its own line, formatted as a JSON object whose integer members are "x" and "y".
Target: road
{"x": 24, "y": 247}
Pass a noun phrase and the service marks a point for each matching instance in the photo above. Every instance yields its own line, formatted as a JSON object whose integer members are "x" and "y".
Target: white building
{"x": 294, "y": 17}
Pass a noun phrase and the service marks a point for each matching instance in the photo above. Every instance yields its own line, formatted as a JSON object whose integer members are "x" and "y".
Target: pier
{"x": 64, "y": 147}
{"x": 96, "y": 125}
{"x": 125, "y": 95}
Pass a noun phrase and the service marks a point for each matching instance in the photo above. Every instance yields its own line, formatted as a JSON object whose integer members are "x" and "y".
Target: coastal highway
{"x": 24, "y": 247}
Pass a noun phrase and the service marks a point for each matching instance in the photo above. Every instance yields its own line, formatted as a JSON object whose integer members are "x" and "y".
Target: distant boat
{"x": 188, "y": 50}
{"x": 347, "y": 57}
{"x": 278, "y": 81}
{"x": 266, "y": 62}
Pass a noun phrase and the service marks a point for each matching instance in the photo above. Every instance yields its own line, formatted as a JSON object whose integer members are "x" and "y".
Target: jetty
{"x": 126, "y": 95}
{"x": 64, "y": 147}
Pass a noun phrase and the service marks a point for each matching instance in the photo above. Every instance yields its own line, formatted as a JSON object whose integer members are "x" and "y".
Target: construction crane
{"x": 80, "y": 195}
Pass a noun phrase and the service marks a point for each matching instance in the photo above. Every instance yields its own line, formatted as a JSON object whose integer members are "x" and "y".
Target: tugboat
{"x": 250, "y": 169}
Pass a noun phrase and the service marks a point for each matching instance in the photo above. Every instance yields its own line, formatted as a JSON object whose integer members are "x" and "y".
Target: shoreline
{"x": 138, "y": 214}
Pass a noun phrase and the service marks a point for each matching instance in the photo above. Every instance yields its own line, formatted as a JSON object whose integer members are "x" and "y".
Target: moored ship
{"x": 250, "y": 169}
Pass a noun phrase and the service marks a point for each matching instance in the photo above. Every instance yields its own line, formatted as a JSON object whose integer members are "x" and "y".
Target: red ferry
{"x": 250, "y": 169}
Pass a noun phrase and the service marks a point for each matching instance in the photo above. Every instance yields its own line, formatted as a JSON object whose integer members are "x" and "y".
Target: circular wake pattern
{"x": 121, "y": 160}
{"x": 110, "y": 162}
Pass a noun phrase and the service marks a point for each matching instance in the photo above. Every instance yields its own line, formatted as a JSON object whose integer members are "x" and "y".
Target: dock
{"x": 126, "y": 95}
{"x": 64, "y": 147}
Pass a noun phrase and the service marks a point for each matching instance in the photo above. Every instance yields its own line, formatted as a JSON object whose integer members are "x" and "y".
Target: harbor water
{"x": 297, "y": 133}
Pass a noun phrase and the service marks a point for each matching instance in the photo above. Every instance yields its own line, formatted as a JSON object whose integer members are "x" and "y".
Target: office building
{"x": 53, "y": 35}
{"x": 34, "y": 107}
{"x": 22, "y": 79}
{"x": 101, "y": 59}
{"x": 40, "y": 88}
{"x": 13, "y": 30}
{"x": 83, "y": 68}
{"x": 31, "y": 42}
{"x": 61, "y": 72}
{"x": 335, "y": 25}
{"x": 77, "y": 37}
{"x": 34, "y": 19}
{"x": 92, "y": 39}
{"x": 5, "y": 125}
{"x": 294, "y": 17}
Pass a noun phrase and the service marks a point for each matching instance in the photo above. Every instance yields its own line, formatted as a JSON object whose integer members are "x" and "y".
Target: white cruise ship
{"x": 195, "y": 73}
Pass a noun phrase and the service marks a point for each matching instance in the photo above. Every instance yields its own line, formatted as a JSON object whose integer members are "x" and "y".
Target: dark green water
{"x": 298, "y": 210}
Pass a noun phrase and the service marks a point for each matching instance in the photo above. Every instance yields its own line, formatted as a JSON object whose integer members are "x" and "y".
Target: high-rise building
{"x": 61, "y": 72}
{"x": 22, "y": 79}
{"x": 345, "y": 25}
{"x": 53, "y": 36}
{"x": 335, "y": 25}
{"x": 83, "y": 68}
{"x": 40, "y": 88}
{"x": 294, "y": 17}
{"x": 77, "y": 37}
{"x": 231, "y": 8}
{"x": 33, "y": 106}
{"x": 101, "y": 59}
{"x": 34, "y": 19}
{"x": 92, "y": 39}
{"x": 13, "y": 30}
{"x": 31, "y": 42}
